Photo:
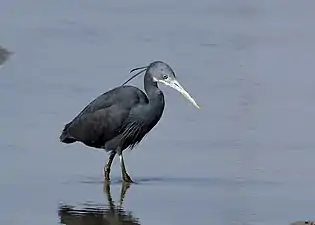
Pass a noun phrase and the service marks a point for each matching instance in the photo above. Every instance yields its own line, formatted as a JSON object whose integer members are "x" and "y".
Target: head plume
{"x": 144, "y": 68}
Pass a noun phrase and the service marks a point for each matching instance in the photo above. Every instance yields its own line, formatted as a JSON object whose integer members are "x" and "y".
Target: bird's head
{"x": 163, "y": 73}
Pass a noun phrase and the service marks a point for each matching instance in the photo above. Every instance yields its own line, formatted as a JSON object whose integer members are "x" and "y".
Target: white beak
{"x": 174, "y": 84}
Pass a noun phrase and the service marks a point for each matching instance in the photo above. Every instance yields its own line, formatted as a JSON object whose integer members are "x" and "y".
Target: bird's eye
{"x": 165, "y": 76}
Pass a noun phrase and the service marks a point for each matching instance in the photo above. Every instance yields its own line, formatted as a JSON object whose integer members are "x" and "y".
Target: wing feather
{"x": 103, "y": 118}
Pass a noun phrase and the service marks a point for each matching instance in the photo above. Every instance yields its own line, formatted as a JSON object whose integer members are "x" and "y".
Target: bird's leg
{"x": 125, "y": 175}
{"x": 108, "y": 164}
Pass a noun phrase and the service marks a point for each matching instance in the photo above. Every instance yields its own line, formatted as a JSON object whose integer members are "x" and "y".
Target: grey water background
{"x": 246, "y": 157}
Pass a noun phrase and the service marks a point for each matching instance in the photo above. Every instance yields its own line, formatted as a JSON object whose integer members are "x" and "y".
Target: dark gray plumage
{"x": 121, "y": 117}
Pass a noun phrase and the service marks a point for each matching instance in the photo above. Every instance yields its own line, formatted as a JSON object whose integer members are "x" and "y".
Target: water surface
{"x": 246, "y": 157}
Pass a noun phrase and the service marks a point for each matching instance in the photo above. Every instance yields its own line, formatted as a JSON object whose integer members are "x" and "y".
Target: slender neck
{"x": 155, "y": 95}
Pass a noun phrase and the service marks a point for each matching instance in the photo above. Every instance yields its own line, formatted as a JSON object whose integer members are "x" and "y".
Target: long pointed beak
{"x": 174, "y": 84}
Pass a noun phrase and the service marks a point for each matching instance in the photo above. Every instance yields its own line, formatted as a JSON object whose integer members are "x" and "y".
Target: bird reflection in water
{"x": 99, "y": 215}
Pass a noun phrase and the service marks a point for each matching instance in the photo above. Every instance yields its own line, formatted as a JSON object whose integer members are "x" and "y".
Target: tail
{"x": 64, "y": 137}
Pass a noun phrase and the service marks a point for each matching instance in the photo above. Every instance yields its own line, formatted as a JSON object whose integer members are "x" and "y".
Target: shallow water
{"x": 246, "y": 157}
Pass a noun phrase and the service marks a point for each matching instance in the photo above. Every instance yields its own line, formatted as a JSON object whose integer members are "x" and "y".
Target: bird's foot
{"x": 126, "y": 178}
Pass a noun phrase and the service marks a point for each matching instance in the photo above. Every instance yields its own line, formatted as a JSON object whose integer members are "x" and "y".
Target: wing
{"x": 102, "y": 119}
{"x": 96, "y": 128}
{"x": 127, "y": 95}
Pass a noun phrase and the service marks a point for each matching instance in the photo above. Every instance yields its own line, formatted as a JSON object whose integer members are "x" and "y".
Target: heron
{"x": 120, "y": 118}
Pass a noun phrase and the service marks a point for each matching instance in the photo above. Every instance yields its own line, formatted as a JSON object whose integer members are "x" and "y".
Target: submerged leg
{"x": 125, "y": 175}
{"x": 108, "y": 164}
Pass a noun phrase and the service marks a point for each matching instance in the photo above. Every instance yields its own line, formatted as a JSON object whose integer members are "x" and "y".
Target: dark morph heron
{"x": 121, "y": 117}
